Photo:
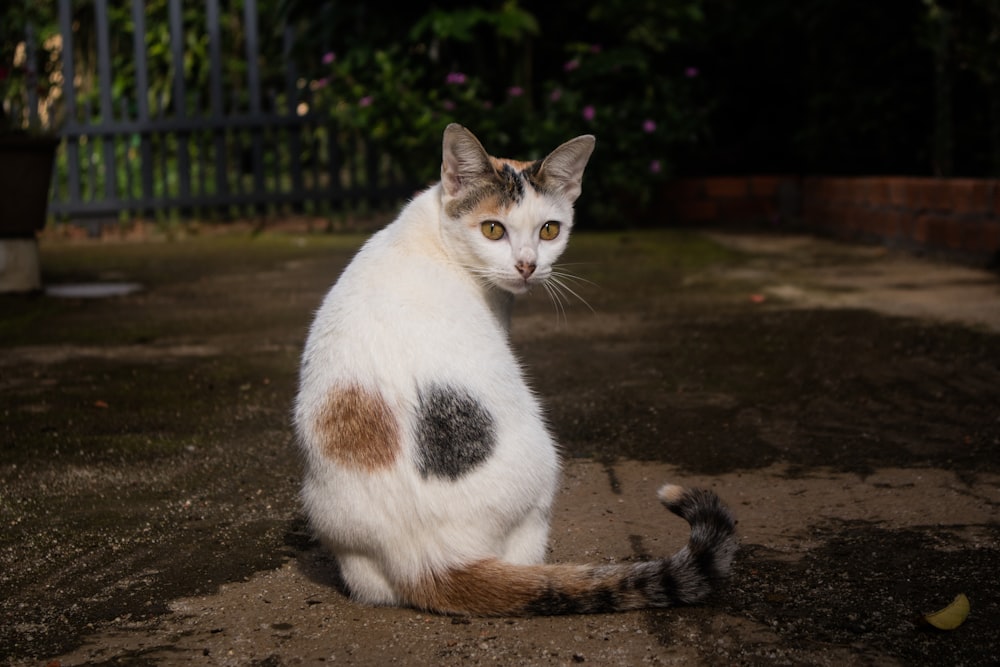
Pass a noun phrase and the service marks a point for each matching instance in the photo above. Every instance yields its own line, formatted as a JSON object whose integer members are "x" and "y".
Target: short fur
{"x": 430, "y": 472}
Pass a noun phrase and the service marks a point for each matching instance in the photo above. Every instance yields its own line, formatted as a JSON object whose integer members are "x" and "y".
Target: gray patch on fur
{"x": 512, "y": 188}
{"x": 537, "y": 180}
{"x": 455, "y": 433}
{"x": 505, "y": 186}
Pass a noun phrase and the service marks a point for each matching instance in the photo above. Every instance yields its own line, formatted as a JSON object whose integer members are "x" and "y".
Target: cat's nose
{"x": 525, "y": 269}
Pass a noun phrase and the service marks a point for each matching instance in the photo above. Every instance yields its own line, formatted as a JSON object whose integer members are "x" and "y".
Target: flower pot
{"x": 25, "y": 177}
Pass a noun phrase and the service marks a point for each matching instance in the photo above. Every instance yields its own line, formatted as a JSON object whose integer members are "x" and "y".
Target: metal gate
{"x": 245, "y": 150}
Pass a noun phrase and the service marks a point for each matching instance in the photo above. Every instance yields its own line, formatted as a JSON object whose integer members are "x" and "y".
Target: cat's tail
{"x": 496, "y": 588}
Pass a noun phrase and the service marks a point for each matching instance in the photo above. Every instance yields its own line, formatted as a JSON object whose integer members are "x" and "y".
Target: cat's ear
{"x": 464, "y": 160}
{"x": 563, "y": 169}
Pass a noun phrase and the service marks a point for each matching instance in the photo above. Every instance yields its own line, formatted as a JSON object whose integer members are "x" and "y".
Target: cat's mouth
{"x": 518, "y": 285}
{"x": 515, "y": 286}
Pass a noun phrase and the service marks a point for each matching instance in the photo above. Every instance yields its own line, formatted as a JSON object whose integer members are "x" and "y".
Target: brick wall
{"x": 958, "y": 216}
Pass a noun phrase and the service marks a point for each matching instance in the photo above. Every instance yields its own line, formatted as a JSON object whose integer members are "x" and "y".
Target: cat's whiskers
{"x": 557, "y": 300}
{"x": 571, "y": 277}
{"x": 557, "y": 286}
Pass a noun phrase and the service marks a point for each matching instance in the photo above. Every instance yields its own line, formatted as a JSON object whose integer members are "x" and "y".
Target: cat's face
{"x": 509, "y": 221}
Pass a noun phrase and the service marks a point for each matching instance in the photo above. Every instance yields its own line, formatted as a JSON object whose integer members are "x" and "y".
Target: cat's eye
{"x": 493, "y": 230}
{"x": 549, "y": 230}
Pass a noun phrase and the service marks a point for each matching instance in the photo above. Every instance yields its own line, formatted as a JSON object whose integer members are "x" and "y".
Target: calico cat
{"x": 429, "y": 469}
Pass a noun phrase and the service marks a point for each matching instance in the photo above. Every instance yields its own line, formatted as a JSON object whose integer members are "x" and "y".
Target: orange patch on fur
{"x": 496, "y": 588}
{"x": 518, "y": 165}
{"x": 358, "y": 429}
{"x": 489, "y": 206}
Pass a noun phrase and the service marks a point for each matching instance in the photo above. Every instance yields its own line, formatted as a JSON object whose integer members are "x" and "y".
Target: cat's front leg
{"x": 365, "y": 580}
{"x": 526, "y": 543}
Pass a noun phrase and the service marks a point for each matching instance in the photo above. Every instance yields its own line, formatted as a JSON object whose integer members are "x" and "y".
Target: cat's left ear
{"x": 563, "y": 169}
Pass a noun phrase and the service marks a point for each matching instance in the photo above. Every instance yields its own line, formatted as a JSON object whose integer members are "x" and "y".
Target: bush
{"x": 637, "y": 98}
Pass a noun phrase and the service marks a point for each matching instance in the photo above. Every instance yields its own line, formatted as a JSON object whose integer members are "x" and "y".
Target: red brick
{"x": 954, "y": 232}
{"x": 766, "y": 186}
{"x": 917, "y": 193}
{"x": 837, "y": 189}
{"x": 982, "y": 236}
{"x": 919, "y": 231}
{"x": 937, "y": 230}
{"x": 878, "y": 192}
{"x": 909, "y": 194}
{"x": 913, "y": 226}
{"x": 828, "y": 189}
{"x": 726, "y": 187}
{"x": 971, "y": 195}
{"x": 845, "y": 216}
{"x": 875, "y": 223}
{"x": 861, "y": 189}
{"x": 856, "y": 219}
{"x": 814, "y": 188}
{"x": 895, "y": 223}
{"x": 922, "y": 192}
{"x": 815, "y": 212}
{"x": 897, "y": 191}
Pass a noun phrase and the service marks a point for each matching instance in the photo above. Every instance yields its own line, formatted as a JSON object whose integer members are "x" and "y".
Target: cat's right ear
{"x": 464, "y": 160}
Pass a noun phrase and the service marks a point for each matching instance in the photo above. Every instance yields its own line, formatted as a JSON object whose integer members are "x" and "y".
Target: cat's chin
{"x": 516, "y": 286}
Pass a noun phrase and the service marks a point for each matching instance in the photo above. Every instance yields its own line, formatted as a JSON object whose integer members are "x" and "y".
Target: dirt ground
{"x": 844, "y": 400}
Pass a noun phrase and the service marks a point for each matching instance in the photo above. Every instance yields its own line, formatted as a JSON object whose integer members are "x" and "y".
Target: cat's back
{"x": 402, "y": 309}
{"x": 407, "y": 337}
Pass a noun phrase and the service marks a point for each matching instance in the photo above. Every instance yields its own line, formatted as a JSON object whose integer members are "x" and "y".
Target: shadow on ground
{"x": 845, "y": 400}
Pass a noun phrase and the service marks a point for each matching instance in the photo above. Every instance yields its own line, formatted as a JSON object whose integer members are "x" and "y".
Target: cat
{"x": 429, "y": 469}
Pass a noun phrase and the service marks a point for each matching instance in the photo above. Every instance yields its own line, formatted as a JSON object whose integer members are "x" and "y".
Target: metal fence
{"x": 233, "y": 154}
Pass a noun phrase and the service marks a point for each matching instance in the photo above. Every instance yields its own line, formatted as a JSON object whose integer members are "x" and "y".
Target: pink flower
{"x": 515, "y": 91}
{"x": 649, "y": 126}
{"x": 329, "y": 57}
{"x": 655, "y": 167}
{"x": 456, "y": 78}
{"x": 448, "y": 105}
{"x": 321, "y": 83}
{"x": 571, "y": 65}
{"x": 589, "y": 112}
{"x": 691, "y": 72}
{"x": 366, "y": 101}
{"x": 555, "y": 95}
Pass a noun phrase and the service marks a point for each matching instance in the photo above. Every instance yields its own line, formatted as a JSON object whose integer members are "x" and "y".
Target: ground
{"x": 844, "y": 400}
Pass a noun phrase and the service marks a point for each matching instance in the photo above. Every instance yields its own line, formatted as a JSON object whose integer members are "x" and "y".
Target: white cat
{"x": 430, "y": 472}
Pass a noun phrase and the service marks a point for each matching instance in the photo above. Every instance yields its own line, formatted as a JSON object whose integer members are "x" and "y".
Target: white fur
{"x": 426, "y": 301}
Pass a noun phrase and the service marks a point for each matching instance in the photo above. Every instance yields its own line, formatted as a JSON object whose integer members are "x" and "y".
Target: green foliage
{"x": 509, "y": 22}
{"x": 638, "y": 100}
{"x": 27, "y": 69}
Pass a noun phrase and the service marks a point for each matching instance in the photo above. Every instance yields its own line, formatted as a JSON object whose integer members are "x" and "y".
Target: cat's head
{"x": 507, "y": 220}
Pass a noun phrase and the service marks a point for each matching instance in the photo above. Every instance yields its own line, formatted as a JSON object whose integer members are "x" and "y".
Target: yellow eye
{"x": 549, "y": 231}
{"x": 493, "y": 230}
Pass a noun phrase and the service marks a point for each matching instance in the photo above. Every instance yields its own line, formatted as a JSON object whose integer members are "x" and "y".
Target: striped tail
{"x": 496, "y": 588}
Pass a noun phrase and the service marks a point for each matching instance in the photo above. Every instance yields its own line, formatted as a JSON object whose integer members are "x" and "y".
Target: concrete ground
{"x": 844, "y": 400}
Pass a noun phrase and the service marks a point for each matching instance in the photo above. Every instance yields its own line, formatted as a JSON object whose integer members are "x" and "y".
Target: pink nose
{"x": 525, "y": 269}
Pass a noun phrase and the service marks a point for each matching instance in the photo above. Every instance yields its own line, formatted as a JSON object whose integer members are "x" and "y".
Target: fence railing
{"x": 245, "y": 150}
